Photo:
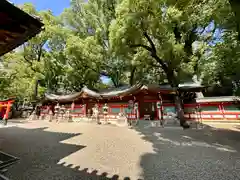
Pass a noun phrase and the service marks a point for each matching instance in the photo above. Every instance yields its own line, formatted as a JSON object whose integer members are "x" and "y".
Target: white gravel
{"x": 73, "y": 151}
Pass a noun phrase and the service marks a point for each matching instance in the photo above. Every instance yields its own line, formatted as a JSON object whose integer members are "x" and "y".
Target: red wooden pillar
{"x": 1, "y": 110}
{"x": 136, "y": 109}
{"x": 84, "y": 109}
{"x": 159, "y": 110}
{"x": 199, "y": 107}
{"x": 221, "y": 108}
{"x": 72, "y": 108}
{"x": 7, "y": 111}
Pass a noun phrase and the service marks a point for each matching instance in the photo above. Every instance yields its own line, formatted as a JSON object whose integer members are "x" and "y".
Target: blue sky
{"x": 56, "y": 6}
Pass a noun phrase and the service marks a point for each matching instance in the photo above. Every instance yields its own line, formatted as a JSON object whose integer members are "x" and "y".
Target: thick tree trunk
{"x": 179, "y": 109}
{"x": 172, "y": 79}
{"x": 178, "y": 101}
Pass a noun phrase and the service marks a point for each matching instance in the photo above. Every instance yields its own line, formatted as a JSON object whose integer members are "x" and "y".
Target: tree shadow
{"x": 206, "y": 153}
{"x": 39, "y": 152}
{"x": 237, "y": 127}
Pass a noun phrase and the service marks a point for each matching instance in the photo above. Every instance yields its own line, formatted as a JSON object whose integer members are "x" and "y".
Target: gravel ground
{"x": 75, "y": 151}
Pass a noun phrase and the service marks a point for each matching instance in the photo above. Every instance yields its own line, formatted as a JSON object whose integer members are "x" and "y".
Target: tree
{"x": 164, "y": 29}
{"x": 235, "y": 6}
{"x": 32, "y": 65}
{"x": 34, "y": 50}
{"x": 222, "y": 65}
{"x": 44, "y": 63}
{"x": 90, "y": 22}
{"x": 219, "y": 67}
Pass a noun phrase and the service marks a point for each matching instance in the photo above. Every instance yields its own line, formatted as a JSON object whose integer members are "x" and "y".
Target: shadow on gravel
{"x": 39, "y": 152}
{"x": 206, "y": 153}
{"x": 237, "y": 127}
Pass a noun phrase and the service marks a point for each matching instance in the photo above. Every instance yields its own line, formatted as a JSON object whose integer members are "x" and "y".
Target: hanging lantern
{"x": 135, "y": 105}
{"x": 159, "y": 105}
{"x": 105, "y": 109}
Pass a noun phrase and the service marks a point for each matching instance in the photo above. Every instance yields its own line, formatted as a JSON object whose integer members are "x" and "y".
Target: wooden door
{"x": 148, "y": 108}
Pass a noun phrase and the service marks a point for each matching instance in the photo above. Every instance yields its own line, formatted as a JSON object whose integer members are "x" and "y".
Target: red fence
{"x": 203, "y": 111}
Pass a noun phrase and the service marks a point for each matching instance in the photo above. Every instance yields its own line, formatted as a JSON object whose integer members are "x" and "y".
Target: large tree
{"x": 166, "y": 30}
{"x": 221, "y": 63}
{"x": 34, "y": 51}
{"x": 32, "y": 65}
{"x": 47, "y": 62}
{"x": 90, "y": 22}
{"x": 127, "y": 41}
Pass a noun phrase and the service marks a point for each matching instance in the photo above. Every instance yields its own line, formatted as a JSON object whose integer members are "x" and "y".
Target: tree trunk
{"x": 179, "y": 109}
{"x": 114, "y": 82}
{"x": 131, "y": 80}
{"x": 172, "y": 79}
{"x": 178, "y": 101}
{"x": 35, "y": 93}
{"x": 235, "y": 6}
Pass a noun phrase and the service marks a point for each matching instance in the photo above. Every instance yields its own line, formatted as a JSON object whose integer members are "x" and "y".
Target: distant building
{"x": 156, "y": 101}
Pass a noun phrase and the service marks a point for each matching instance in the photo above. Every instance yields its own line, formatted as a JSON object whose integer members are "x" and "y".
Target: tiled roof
{"x": 16, "y": 27}
{"x": 116, "y": 92}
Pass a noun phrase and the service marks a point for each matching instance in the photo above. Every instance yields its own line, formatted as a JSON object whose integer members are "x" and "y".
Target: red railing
{"x": 221, "y": 113}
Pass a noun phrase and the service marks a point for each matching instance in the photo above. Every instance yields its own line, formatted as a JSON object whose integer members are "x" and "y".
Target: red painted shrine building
{"x": 154, "y": 101}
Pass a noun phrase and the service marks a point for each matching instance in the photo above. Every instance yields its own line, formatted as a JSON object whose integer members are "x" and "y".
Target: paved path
{"x": 75, "y": 151}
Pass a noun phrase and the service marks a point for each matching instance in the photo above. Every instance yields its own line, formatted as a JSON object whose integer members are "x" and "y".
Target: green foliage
{"x": 165, "y": 29}
{"x": 156, "y": 41}
{"x": 222, "y": 65}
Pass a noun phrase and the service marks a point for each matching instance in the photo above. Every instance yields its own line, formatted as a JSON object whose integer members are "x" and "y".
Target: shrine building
{"x": 153, "y": 102}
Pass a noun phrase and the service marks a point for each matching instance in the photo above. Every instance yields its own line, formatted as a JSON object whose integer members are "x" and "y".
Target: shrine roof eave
{"x": 16, "y": 27}
{"x": 121, "y": 92}
{"x": 87, "y": 93}
{"x": 170, "y": 90}
{"x": 61, "y": 98}
{"x": 111, "y": 94}
{"x": 218, "y": 99}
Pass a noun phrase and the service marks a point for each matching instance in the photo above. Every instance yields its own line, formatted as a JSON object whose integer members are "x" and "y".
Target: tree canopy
{"x": 127, "y": 41}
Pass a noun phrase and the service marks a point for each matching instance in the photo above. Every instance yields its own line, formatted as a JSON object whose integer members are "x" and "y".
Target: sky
{"x": 56, "y": 6}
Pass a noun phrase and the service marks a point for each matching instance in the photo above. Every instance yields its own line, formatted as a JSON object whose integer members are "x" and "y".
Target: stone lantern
{"x": 105, "y": 112}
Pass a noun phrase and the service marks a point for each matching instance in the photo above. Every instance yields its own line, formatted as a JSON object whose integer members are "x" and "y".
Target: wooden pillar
{"x": 0, "y": 108}
{"x": 160, "y": 107}
{"x": 159, "y": 111}
{"x": 72, "y": 109}
{"x": 84, "y": 109}
{"x": 72, "y": 106}
{"x": 221, "y": 108}
{"x": 136, "y": 107}
{"x": 7, "y": 112}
